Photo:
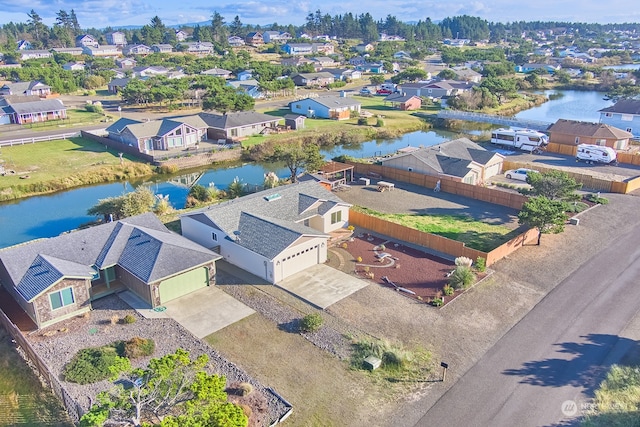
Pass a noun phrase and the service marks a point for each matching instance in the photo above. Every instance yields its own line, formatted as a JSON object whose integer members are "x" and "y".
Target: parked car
{"x": 383, "y": 92}
{"x": 519, "y": 174}
{"x": 365, "y": 91}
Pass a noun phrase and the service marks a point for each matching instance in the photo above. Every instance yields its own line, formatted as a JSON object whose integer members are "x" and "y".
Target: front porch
{"x": 100, "y": 290}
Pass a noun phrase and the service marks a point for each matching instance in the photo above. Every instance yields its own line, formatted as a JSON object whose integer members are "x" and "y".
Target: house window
{"x": 214, "y": 236}
{"x": 601, "y": 142}
{"x": 62, "y": 298}
{"x": 629, "y": 130}
{"x": 608, "y": 114}
{"x": 336, "y": 217}
{"x": 577, "y": 140}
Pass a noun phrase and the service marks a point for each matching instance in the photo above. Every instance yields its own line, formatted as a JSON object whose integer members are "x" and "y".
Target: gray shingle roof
{"x": 37, "y": 106}
{"x": 595, "y": 130}
{"x": 140, "y": 244}
{"x": 237, "y": 119}
{"x": 451, "y": 157}
{"x": 120, "y": 124}
{"x": 19, "y": 88}
{"x": 335, "y": 101}
{"x": 624, "y": 106}
{"x": 261, "y": 218}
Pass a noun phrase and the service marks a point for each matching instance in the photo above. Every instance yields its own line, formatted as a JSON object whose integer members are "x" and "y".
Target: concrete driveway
{"x": 207, "y": 310}
{"x": 322, "y": 285}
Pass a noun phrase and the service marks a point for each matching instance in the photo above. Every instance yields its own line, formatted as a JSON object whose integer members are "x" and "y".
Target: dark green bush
{"x": 311, "y": 322}
{"x": 595, "y": 198}
{"x": 462, "y": 277}
{"x": 362, "y": 121}
{"x": 90, "y": 365}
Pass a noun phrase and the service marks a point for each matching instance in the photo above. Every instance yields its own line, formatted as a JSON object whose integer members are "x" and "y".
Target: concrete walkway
{"x": 207, "y": 310}
{"x": 202, "y": 312}
{"x": 322, "y": 285}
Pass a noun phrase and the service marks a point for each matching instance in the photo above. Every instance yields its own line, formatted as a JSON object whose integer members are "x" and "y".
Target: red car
{"x": 383, "y": 92}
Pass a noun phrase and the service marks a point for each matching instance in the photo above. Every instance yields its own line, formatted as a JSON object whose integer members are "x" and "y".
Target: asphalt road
{"x": 544, "y": 370}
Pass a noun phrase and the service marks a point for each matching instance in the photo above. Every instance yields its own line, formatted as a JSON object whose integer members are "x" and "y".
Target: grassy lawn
{"x": 74, "y": 117}
{"x": 617, "y": 399}
{"x": 323, "y": 390}
{"x": 68, "y": 163}
{"x": 475, "y": 234}
{"x": 23, "y": 400}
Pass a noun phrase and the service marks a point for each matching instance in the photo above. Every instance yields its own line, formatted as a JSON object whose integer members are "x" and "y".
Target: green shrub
{"x": 138, "y": 347}
{"x": 462, "y": 277}
{"x": 129, "y": 319}
{"x": 362, "y": 121}
{"x": 437, "y": 302}
{"x": 90, "y": 365}
{"x": 481, "y": 264}
{"x": 595, "y": 198}
{"x": 448, "y": 290}
{"x": 311, "y": 322}
{"x": 379, "y": 123}
{"x": 167, "y": 169}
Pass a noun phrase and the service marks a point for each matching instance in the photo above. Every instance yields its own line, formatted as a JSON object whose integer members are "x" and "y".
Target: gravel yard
{"x": 58, "y": 344}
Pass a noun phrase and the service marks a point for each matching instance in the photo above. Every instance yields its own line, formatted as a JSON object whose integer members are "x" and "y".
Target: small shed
{"x": 294, "y": 121}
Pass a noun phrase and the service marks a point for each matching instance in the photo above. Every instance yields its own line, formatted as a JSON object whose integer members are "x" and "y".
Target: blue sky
{"x": 102, "y": 13}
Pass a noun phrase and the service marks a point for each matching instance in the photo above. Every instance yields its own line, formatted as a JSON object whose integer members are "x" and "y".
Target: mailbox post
{"x": 444, "y": 370}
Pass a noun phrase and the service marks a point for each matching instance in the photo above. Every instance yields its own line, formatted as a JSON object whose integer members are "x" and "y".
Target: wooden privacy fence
{"x": 74, "y": 409}
{"x": 435, "y": 242}
{"x": 447, "y": 184}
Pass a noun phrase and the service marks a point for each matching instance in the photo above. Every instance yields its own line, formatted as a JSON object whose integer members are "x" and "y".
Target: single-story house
{"x": 371, "y": 67}
{"x": 58, "y": 278}
{"x": 244, "y": 75}
{"x": 73, "y": 66}
{"x": 126, "y": 63}
{"x": 106, "y": 50}
{"x": 197, "y": 48}
{"x": 26, "y": 89}
{"x": 116, "y": 85}
{"x": 467, "y": 74}
{"x": 527, "y": 68}
{"x": 136, "y": 49}
{"x": 296, "y": 61}
{"x": 217, "y": 72}
{"x": 344, "y": 73}
{"x": 162, "y": 48}
{"x": 438, "y": 89}
{"x": 272, "y": 234}
{"x": 402, "y": 55}
{"x": 319, "y": 79}
{"x": 34, "y": 111}
{"x": 324, "y": 61}
{"x": 404, "y": 102}
{"x": 572, "y": 132}
{"x": 296, "y": 49}
{"x": 326, "y": 107}
{"x": 150, "y": 70}
{"x": 624, "y": 114}
{"x": 364, "y": 47}
{"x": 34, "y": 54}
{"x": 460, "y": 159}
{"x": 75, "y": 51}
{"x": 234, "y": 125}
{"x": 154, "y": 135}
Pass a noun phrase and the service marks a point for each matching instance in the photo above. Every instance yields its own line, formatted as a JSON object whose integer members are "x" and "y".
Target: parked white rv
{"x": 523, "y": 139}
{"x": 595, "y": 154}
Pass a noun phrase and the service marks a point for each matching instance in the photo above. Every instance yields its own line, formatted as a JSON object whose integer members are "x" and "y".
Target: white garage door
{"x": 299, "y": 261}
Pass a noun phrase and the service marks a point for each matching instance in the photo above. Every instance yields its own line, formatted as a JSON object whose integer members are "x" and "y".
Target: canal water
{"x": 50, "y": 215}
